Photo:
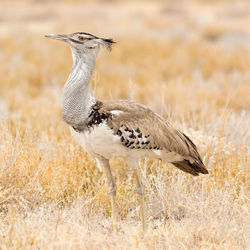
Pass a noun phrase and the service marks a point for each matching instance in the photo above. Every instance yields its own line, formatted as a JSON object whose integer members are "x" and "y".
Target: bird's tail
{"x": 194, "y": 168}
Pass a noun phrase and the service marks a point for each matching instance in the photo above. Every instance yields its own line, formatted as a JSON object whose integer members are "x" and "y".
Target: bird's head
{"x": 83, "y": 42}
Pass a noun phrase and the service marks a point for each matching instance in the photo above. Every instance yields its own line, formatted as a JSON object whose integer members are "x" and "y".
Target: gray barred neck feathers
{"x": 77, "y": 99}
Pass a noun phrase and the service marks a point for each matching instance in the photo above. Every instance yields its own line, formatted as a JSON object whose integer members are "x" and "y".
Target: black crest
{"x": 108, "y": 43}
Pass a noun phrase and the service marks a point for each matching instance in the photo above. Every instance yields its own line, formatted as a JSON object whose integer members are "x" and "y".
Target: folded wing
{"x": 141, "y": 128}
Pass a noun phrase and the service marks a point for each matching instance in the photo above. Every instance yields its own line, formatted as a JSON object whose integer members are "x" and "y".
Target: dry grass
{"x": 175, "y": 58}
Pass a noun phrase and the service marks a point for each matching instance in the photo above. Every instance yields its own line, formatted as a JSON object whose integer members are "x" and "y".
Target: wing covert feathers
{"x": 141, "y": 128}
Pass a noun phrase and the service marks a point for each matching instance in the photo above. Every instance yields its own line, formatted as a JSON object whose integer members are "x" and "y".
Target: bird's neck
{"x": 77, "y": 99}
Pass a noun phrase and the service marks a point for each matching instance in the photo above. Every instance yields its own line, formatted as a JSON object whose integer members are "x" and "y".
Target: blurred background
{"x": 185, "y": 56}
{"x": 188, "y": 60}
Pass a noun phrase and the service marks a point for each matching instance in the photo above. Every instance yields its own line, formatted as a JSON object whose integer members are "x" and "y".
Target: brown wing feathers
{"x": 140, "y": 128}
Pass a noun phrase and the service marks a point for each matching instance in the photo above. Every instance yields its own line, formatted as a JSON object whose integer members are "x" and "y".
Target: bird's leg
{"x": 140, "y": 192}
{"x": 112, "y": 191}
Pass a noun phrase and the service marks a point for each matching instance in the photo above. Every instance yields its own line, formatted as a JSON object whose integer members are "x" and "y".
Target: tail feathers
{"x": 194, "y": 168}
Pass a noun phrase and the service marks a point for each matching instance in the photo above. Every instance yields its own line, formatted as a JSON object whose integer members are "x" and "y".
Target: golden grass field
{"x": 187, "y": 60}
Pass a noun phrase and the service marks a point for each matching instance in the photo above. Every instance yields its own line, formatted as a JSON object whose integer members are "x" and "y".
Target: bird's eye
{"x": 81, "y": 38}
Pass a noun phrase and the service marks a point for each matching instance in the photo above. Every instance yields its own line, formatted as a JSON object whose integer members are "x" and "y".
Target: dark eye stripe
{"x": 75, "y": 41}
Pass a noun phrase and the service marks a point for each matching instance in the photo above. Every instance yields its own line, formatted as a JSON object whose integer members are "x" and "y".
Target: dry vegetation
{"x": 188, "y": 62}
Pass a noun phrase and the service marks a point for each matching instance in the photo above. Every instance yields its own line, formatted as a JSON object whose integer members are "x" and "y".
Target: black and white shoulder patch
{"x": 95, "y": 117}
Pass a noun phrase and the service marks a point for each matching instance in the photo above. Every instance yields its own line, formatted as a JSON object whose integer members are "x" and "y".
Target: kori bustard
{"x": 107, "y": 129}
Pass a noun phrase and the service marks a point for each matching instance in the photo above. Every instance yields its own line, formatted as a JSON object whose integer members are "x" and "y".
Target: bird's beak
{"x": 57, "y": 37}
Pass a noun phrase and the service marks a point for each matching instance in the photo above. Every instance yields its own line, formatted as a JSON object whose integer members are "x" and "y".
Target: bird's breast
{"x": 99, "y": 141}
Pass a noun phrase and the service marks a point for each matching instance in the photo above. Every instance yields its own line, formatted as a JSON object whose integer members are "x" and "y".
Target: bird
{"x": 118, "y": 128}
